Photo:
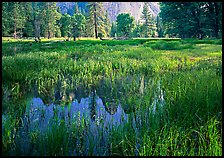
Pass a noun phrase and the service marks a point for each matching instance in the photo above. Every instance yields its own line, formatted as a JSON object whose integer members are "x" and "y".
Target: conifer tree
{"x": 50, "y": 16}
{"x": 17, "y": 14}
{"x": 107, "y": 24}
{"x": 78, "y": 25}
{"x": 5, "y": 19}
{"x": 65, "y": 22}
{"x": 28, "y": 30}
{"x": 95, "y": 18}
{"x": 76, "y": 8}
{"x": 113, "y": 29}
{"x": 148, "y": 25}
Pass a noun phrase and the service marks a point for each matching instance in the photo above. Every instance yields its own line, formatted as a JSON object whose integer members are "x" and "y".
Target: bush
{"x": 167, "y": 45}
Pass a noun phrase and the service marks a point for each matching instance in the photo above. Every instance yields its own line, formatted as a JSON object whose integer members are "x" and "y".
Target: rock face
{"x": 114, "y": 8}
{"x": 134, "y": 8}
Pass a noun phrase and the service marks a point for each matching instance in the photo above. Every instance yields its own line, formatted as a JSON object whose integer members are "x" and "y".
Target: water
{"x": 39, "y": 116}
{"x": 92, "y": 116}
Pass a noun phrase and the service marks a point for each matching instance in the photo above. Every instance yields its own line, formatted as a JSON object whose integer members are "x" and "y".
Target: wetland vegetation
{"x": 91, "y": 97}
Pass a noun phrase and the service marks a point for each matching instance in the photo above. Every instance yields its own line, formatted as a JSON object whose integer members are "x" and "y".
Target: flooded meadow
{"x": 120, "y": 98}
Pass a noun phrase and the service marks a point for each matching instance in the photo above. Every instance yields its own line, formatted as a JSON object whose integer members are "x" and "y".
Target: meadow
{"x": 145, "y": 97}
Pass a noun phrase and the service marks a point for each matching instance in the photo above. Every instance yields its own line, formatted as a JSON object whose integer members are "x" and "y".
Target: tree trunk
{"x": 14, "y": 34}
{"x": 74, "y": 33}
{"x": 95, "y": 22}
{"x": 48, "y": 32}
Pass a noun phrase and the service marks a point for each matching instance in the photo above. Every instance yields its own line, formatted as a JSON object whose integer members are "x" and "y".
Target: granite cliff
{"x": 114, "y": 8}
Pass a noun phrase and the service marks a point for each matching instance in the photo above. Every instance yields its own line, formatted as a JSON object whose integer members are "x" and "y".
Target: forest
{"x": 83, "y": 85}
{"x": 44, "y": 19}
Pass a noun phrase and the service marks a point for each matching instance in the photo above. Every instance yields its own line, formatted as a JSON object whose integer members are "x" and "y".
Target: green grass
{"x": 129, "y": 72}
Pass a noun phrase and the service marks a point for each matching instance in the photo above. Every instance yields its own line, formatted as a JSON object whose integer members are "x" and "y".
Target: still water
{"x": 91, "y": 115}
{"x": 40, "y": 116}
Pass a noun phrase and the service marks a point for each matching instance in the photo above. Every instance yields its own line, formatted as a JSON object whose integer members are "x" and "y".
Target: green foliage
{"x": 65, "y": 22}
{"x": 14, "y": 18}
{"x": 107, "y": 24}
{"x": 78, "y": 25}
{"x": 171, "y": 45}
{"x": 5, "y": 19}
{"x": 113, "y": 30}
{"x": 136, "y": 31}
{"x": 125, "y": 24}
{"x": 50, "y": 16}
{"x": 95, "y": 18}
{"x": 148, "y": 26}
{"x": 29, "y": 26}
{"x": 192, "y": 19}
{"x": 132, "y": 73}
{"x": 159, "y": 26}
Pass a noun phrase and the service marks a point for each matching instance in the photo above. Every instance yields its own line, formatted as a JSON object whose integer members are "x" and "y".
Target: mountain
{"x": 134, "y": 8}
{"x": 114, "y": 8}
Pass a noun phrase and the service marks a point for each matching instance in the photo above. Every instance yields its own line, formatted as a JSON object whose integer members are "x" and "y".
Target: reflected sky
{"x": 38, "y": 115}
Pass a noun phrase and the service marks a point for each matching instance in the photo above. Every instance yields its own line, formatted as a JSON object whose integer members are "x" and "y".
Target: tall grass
{"x": 171, "y": 91}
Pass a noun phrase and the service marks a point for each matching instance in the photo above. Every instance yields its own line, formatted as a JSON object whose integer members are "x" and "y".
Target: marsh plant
{"x": 143, "y": 97}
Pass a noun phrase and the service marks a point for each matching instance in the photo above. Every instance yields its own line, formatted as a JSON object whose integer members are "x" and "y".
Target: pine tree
{"x": 76, "y": 8}
{"x": 65, "y": 22}
{"x": 78, "y": 25}
{"x": 50, "y": 16}
{"x": 28, "y": 30}
{"x": 37, "y": 19}
{"x": 17, "y": 17}
{"x": 107, "y": 24}
{"x": 95, "y": 18}
{"x": 159, "y": 26}
{"x": 5, "y": 19}
{"x": 215, "y": 17}
{"x": 191, "y": 19}
{"x": 137, "y": 30}
{"x": 113, "y": 30}
{"x": 148, "y": 25}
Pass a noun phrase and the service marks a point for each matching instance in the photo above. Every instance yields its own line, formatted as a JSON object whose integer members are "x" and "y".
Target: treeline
{"x": 176, "y": 19}
{"x": 192, "y": 19}
{"x": 44, "y": 19}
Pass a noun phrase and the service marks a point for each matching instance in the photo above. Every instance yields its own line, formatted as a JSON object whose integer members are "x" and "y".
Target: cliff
{"x": 114, "y": 8}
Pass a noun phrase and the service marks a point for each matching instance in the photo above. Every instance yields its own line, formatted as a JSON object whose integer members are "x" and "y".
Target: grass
{"x": 133, "y": 73}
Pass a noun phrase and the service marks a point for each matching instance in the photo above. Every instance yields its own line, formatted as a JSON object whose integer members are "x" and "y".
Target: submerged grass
{"x": 184, "y": 76}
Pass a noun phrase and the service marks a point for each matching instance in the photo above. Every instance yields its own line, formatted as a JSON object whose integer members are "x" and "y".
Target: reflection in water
{"x": 98, "y": 121}
{"x": 96, "y": 115}
{"x": 40, "y": 116}
{"x": 158, "y": 98}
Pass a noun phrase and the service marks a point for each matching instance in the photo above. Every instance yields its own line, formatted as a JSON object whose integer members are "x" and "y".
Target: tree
{"x": 5, "y": 19}
{"x": 113, "y": 30}
{"x": 78, "y": 25}
{"x": 215, "y": 14}
{"x": 28, "y": 30}
{"x": 50, "y": 16}
{"x": 148, "y": 26}
{"x": 38, "y": 20}
{"x": 125, "y": 24}
{"x": 17, "y": 17}
{"x": 65, "y": 22}
{"x": 191, "y": 19}
{"x": 76, "y": 8}
{"x": 137, "y": 30}
{"x": 107, "y": 24}
{"x": 95, "y": 18}
{"x": 159, "y": 26}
